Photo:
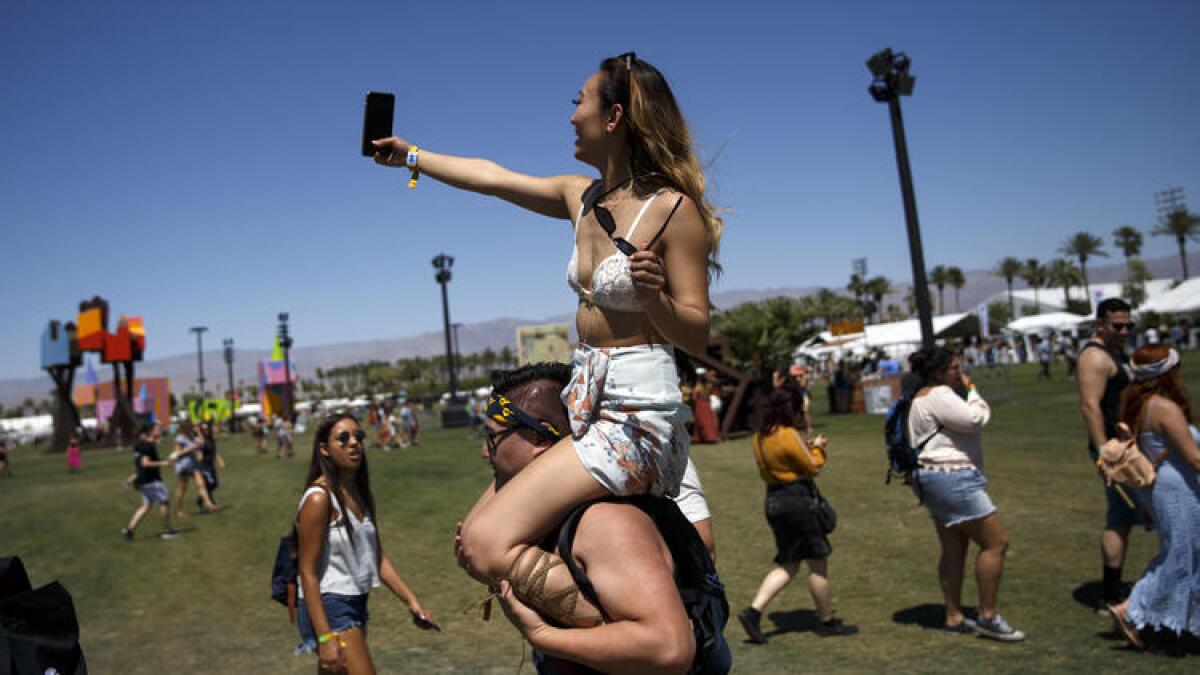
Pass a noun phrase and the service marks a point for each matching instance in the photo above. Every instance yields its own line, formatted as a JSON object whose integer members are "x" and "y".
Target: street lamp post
{"x": 452, "y": 415}
{"x": 285, "y": 343}
{"x": 892, "y": 80}
{"x": 232, "y": 392}
{"x": 457, "y": 349}
{"x": 199, "y": 331}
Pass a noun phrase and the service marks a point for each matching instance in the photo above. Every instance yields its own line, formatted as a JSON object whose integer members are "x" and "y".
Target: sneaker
{"x": 965, "y": 626}
{"x": 127, "y": 533}
{"x": 749, "y": 618}
{"x": 835, "y": 628}
{"x": 997, "y": 628}
{"x": 169, "y": 534}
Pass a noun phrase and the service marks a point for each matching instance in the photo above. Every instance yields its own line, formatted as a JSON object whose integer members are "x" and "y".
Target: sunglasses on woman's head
{"x": 344, "y": 437}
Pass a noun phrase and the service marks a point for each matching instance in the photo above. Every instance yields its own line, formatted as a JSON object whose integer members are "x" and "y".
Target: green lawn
{"x": 200, "y": 603}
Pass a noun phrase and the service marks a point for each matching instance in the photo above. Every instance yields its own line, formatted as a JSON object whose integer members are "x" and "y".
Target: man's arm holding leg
{"x": 629, "y": 565}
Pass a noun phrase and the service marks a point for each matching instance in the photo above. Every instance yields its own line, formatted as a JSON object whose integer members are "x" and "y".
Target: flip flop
{"x": 1127, "y": 629}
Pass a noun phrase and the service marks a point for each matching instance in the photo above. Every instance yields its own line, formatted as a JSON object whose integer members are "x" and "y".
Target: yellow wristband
{"x": 326, "y": 637}
{"x": 414, "y": 157}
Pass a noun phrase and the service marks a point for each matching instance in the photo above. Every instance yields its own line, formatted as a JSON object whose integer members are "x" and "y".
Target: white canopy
{"x": 1183, "y": 298}
{"x": 909, "y": 332}
{"x": 1042, "y": 323}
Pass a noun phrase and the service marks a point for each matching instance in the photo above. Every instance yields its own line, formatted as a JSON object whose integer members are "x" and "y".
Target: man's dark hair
{"x": 521, "y": 387}
{"x": 1111, "y": 306}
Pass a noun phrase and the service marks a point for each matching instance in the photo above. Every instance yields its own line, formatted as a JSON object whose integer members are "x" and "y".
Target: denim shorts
{"x": 953, "y": 497}
{"x": 343, "y": 612}
{"x": 154, "y": 492}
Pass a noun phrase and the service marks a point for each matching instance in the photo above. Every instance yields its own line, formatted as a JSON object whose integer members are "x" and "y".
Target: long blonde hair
{"x": 659, "y": 139}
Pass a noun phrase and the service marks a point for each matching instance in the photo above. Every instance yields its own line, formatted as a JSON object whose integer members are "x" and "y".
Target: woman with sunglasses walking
{"x": 645, "y": 245}
{"x": 340, "y": 555}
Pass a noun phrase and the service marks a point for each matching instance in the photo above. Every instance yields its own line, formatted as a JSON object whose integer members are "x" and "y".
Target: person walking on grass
{"x": 210, "y": 462}
{"x": 1103, "y": 373}
{"x": 341, "y": 557}
{"x": 189, "y": 444}
{"x": 640, "y": 293}
{"x": 949, "y": 480}
{"x": 1158, "y": 410}
{"x": 788, "y": 464}
{"x": 74, "y": 455}
{"x": 148, "y": 480}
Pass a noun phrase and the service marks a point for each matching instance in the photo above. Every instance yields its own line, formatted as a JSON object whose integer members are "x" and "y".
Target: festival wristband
{"x": 326, "y": 637}
{"x": 414, "y": 157}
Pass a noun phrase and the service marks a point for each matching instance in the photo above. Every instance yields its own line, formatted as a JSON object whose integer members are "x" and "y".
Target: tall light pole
{"x": 199, "y": 331}
{"x": 232, "y": 392}
{"x": 892, "y": 80}
{"x": 452, "y": 414}
{"x": 285, "y": 343}
{"x": 457, "y": 349}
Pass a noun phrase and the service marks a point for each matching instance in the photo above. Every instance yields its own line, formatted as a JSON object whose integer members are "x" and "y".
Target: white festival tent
{"x": 1051, "y": 322}
{"x": 896, "y": 339}
{"x": 1182, "y": 299}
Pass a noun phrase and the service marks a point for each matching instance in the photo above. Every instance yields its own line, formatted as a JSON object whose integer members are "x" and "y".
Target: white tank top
{"x": 342, "y": 568}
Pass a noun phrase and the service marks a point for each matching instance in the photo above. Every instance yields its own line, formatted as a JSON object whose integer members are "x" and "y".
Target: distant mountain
{"x": 499, "y": 333}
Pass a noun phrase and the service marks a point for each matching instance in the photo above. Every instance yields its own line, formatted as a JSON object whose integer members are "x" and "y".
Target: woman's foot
{"x": 750, "y": 618}
{"x": 835, "y": 628}
{"x": 1117, "y": 612}
{"x": 966, "y": 626}
{"x": 996, "y": 628}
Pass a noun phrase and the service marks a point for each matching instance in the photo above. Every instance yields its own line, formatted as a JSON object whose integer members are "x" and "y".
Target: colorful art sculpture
{"x": 152, "y": 403}
{"x": 60, "y": 358}
{"x": 62, "y": 351}
{"x": 272, "y": 382}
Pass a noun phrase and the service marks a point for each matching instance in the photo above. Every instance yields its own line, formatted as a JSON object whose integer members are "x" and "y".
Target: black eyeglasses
{"x": 344, "y": 437}
{"x": 1121, "y": 327}
{"x": 493, "y": 439}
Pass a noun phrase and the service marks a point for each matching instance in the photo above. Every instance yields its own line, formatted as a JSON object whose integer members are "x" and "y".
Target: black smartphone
{"x": 377, "y": 119}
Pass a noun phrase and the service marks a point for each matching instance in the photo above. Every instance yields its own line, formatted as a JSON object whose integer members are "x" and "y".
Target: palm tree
{"x": 1134, "y": 288}
{"x": 956, "y": 278}
{"x": 1036, "y": 275}
{"x": 938, "y": 277}
{"x": 1183, "y": 226}
{"x": 1129, "y": 240}
{"x": 857, "y": 287}
{"x": 1084, "y": 245}
{"x": 1063, "y": 272}
{"x": 877, "y": 288}
{"x": 1009, "y": 268}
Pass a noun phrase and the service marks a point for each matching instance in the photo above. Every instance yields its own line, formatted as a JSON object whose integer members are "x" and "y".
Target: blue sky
{"x": 197, "y": 163}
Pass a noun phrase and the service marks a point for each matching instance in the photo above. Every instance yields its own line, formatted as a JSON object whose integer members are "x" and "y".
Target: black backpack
{"x": 901, "y": 453}
{"x": 284, "y": 574}
{"x": 701, "y": 590}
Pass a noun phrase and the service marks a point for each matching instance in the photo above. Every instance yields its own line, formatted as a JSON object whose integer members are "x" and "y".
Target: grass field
{"x": 201, "y": 603}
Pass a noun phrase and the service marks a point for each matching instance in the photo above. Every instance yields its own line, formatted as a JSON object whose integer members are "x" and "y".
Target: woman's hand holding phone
{"x": 391, "y": 151}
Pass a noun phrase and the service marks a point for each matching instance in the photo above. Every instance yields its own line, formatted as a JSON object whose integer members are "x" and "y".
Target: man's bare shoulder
{"x": 609, "y": 529}
{"x": 1096, "y": 359}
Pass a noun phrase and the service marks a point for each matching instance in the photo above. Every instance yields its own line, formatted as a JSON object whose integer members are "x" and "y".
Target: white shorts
{"x": 628, "y": 418}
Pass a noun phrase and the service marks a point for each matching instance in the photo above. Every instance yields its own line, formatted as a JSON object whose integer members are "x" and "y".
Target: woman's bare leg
{"x": 358, "y": 657}
{"x": 818, "y": 588}
{"x": 180, "y": 492}
{"x": 202, "y": 489}
{"x": 989, "y": 533}
{"x": 773, "y": 583}
{"x": 950, "y": 570}
{"x": 497, "y": 539}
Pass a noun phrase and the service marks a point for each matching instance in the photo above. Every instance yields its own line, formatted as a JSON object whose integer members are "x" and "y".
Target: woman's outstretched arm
{"x": 548, "y": 196}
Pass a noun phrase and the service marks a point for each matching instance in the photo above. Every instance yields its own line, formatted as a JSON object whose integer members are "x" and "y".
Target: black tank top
{"x": 1110, "y": 401}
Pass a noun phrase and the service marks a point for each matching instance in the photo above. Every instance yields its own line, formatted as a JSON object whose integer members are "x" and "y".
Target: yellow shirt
{"x": 783, "y": 458}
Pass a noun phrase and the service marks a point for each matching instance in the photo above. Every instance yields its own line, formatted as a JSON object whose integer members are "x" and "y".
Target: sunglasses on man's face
{"x": 344, "y": 437}
{"x": 493, "y": 439}
{"x": 1121, "y": 326}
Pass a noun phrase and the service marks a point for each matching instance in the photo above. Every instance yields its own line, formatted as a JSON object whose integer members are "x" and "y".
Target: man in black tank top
{"x": 1103, "y": 373}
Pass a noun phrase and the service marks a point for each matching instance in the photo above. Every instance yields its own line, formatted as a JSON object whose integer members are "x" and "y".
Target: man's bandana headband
{"x": 1150, "y": 371}
{"x": 506, "y": 413}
